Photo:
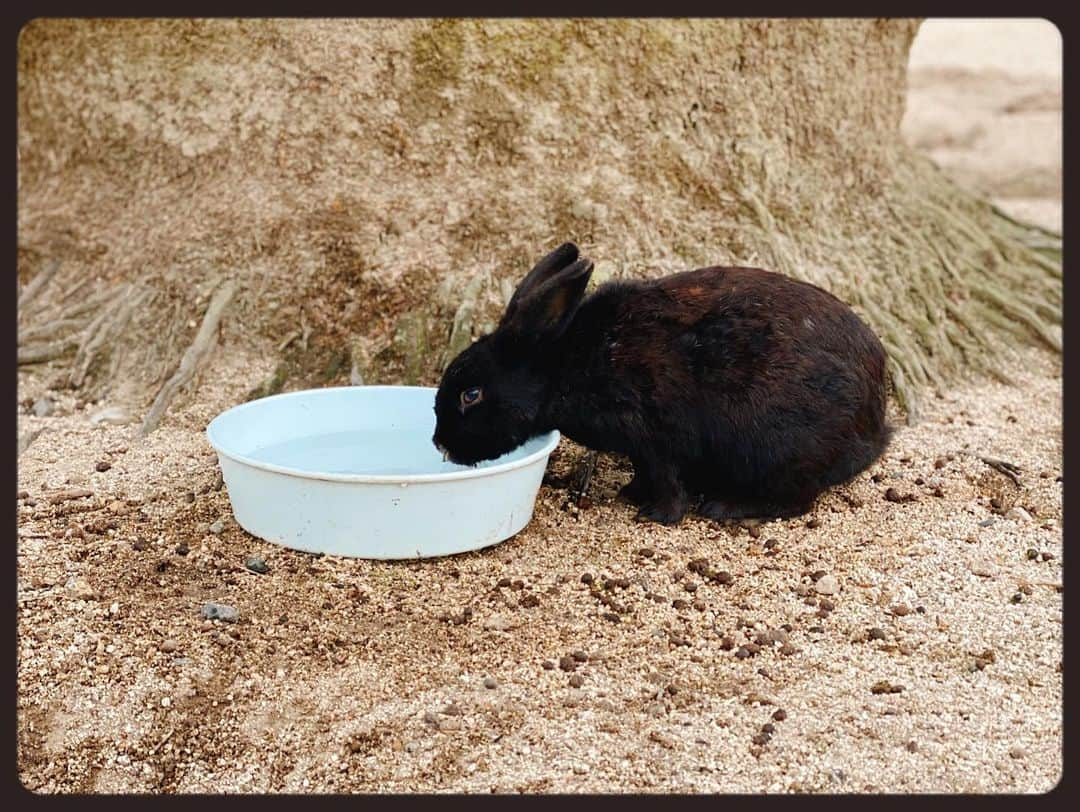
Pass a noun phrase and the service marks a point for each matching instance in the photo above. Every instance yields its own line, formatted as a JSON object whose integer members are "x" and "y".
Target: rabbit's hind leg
{"x": 720, "y": 510}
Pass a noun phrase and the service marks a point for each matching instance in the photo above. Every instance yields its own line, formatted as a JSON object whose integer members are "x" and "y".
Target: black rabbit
{"x": 746, "y": 387}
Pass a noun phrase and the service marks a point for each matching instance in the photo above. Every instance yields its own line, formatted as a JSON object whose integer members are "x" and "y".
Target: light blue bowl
{"x": 352, "y": 471}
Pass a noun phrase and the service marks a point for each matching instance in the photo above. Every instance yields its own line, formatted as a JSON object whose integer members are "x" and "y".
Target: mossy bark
{"x": 368, "y": 171}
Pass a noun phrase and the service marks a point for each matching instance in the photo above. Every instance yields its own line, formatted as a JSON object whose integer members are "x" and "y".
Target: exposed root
{"x": 100, "y": 335}
{"x": 194, "y": 356}
{"x": 40, "y": 353}
{"x": 49, "y": 330}
{"x": 37, "y": 284}
{"x": 936, "y": 283}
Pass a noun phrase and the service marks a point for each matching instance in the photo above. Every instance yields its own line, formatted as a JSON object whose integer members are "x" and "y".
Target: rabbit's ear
{"x": 544, "y": 312}
{"x": 552, "y": 263}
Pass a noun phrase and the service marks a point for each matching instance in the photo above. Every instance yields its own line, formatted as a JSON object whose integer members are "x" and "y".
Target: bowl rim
{"x": 380, "y": 479}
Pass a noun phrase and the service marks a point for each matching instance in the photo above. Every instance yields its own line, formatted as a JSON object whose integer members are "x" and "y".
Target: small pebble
{"x": 79, "y": 589}
{"x": 1018, "y": 514}
{"x": 490, "y": 683}
{"x": 742, "y": 653}
{"x": 1032, "y": 553}
{"x": 567, "y": 663}
{"x": 912, "y": 746}
{"x": 587, "y": 578}
{"x": 664, "y": 741}
{"x": 579, "y": 656}
{"x": 182, "y": 548}
{"x": 727, "y": 644}
{"x": 987, "y": 522}
{"x": 43, "y": 407}
{"x": 256, "y": 564}
{"x": 761, "y": 739}
{"x": 646, "y": 552}
{"x": 901, "y": 609}
{"x": 573, "y": 699}
{"x": 787, "y": 650}
{"x": 220, "y": 611}
{"x": 983, "y": 567}
{"x": 103, "y": 466}
{"x": 885, "y": 687}
{"x": 169, "y": 646}
{"x": 769, "y": 728}
{"x": 547, "y": 665}
{"x": 814, "y": 523}
{"x": 217, "y": 527}
{"x": 576, "y": 680}
{"x": 503, "y": 583}
{"x": 780, "y": 715}
{"x": 877, "y": 633}
{"x": 529, "y": 601}
{"x": 1046, "y": 556}
{"x": 827, "y": 585}
{"x": 113, "y": 415}
{"x": 1017, "y": 752}
{"x": 679, "y": 604}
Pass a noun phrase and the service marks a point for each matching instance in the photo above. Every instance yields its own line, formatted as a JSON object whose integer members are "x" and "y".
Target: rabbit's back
{"x": 753, "y": 379}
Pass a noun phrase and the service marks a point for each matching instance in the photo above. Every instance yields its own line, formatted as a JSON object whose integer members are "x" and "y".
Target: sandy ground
{"x": 910, "y": 645}
{"x": 348, "y": 675}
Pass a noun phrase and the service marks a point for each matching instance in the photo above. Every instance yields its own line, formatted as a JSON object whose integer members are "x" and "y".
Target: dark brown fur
{"x": 748, "y": 388}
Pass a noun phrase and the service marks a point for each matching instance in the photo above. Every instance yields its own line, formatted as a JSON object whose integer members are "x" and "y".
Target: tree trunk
{"x": 380, "y": 185}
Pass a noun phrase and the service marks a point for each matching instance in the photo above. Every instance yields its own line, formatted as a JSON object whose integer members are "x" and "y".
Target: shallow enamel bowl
{"x": 352, "y": 471}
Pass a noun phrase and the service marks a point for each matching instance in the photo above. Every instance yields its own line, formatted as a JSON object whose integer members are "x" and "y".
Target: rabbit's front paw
{"x": 636, "y": 491}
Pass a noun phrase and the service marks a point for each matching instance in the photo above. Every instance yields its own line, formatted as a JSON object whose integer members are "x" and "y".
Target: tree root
{"x": 37, "y": 284}
{"x": 102, "y": 331}
{"x": 49, "y": 330}
{"x": 195, "y": 355}
{"x": 939, "y": 275}
{"x": 41, "y": 353}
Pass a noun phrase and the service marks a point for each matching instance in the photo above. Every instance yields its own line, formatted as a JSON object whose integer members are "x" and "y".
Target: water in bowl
{"x": 374, "y": 452}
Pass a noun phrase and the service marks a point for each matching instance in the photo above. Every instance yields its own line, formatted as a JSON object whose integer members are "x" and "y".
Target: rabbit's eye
{"x": 470, "y": 397}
